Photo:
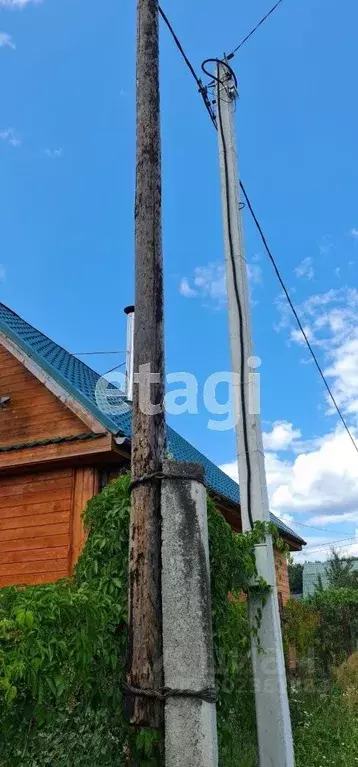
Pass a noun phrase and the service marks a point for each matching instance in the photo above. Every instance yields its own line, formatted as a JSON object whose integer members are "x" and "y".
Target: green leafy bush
{"x": 347, "y": 679}
{"x": 300, "y": 622}
{"x": 337, "y": 632}
{"x": 63, "y": 647}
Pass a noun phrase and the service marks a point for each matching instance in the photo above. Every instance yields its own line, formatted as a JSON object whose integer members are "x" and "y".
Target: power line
{"x": 90, "y": 354}
{"x": 203, "y": 92}
{"x": 231, "y": 56}
{"x": 312, "y": 527}
{"x": 299, "y": 323}
{"x": 113, "y": 369}
{"x": 324, "y": 546}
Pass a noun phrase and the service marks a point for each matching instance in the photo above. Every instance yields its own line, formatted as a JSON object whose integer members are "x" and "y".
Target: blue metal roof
{"x": 83, "y": 384}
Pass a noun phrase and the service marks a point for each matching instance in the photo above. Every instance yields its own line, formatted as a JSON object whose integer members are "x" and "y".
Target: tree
{"x": 295, "y": 574}
{"x": 341, "y": 572}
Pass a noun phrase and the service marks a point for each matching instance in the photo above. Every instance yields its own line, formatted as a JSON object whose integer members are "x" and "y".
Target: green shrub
{"x": 300, "y": 622}
{"x": 63, "y": 647}
{"x": 347, "y": 679}
{"x": 337, "y": 632}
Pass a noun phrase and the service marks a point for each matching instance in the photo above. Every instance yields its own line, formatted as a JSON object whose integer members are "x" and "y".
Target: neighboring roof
{"x": 81, "y": 382}
{"x": 311, "y": 573}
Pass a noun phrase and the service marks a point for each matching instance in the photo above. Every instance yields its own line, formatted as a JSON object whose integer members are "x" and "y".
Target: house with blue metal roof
{"x": 59, "y": 444}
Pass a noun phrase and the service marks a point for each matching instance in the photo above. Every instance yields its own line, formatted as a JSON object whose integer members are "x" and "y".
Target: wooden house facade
{"x": 59, "y": 447}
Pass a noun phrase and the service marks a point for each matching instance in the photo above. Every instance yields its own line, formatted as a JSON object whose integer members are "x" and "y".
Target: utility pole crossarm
{"x": 272, "y": 709}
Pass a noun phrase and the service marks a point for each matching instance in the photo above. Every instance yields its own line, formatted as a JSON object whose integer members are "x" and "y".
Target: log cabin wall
{"x": 33, "y": 412}
{"x": 41, "y": 531}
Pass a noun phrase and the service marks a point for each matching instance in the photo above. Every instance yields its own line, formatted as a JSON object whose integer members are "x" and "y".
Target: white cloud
{"x": 6, "y": 41}
{"x": 186, "y": 290}
{"x": 305, "y": 269}
{"x": 331, "y": 322}
{"x": 318, "y": 486}
{"x": 297, "y": 335}
{"x": 333, "y": 519}
{"x": 13, "y": 4}
{"x": 10, "y": 136}
{"x": 209, "y": 282}
{"x": 281, "y": 436}
{"x": 326, "y": 245}
{"x": 321, "y": 481}
{"x": 254, "y": 272}
{"x": 337, "y": 271}
{"x": 54, "y": 154}
{"x": 354, "y": 232}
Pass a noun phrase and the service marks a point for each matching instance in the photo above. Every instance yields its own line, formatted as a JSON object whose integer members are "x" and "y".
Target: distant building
{"x": 311, "y": 573}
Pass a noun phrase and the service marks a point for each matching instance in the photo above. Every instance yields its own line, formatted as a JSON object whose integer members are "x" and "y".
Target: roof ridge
{"x": 79, "y": 384}
{"x": 63, "y": 348}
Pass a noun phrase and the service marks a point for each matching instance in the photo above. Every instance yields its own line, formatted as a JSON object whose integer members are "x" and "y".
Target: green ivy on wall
{"x": 63, "y": 647}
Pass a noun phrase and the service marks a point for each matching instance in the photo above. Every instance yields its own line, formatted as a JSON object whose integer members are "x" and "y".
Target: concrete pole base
{"x": 190, "y": 723}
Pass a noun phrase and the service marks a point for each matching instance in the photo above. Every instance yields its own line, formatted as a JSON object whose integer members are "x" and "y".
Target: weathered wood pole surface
{"x": 148, "y": 430}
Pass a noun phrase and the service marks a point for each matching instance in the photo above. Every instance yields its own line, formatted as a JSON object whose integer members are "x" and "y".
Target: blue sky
{"x": 67, "y": 144}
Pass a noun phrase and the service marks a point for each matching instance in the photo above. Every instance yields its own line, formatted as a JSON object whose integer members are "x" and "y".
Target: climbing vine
{"x": 63, "y": 646}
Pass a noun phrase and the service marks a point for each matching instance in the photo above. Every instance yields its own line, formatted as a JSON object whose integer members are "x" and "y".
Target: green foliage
{"x": 347, "y": 680}
{"x": 340, "y": 572}
{"x": 337, "y": 632}
{"x": 323, "y": 629}
{"x": 300, "y": 622}
{"x": 295, "y": 574}
{"x": 63, "y": 647}
{"x": 325, "y": 731}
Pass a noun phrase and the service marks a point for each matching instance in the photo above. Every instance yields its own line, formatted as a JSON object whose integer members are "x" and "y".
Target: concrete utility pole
{"x": 190, "y": 720}
{"x": 145, "y": 666}
{"x": 272, "y": 710}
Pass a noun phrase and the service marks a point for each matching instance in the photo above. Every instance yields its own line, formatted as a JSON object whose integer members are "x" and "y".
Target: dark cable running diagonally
{"x": 269, "y": 253}
{"x": 299, "y": 323}
{"x": 231, "y": 56}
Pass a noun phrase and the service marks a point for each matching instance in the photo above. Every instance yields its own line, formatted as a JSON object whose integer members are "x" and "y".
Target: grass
{"x": 325, "y": 733}
{"x": 325, "y": 730}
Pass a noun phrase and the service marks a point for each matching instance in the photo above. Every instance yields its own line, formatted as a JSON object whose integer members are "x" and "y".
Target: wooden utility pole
{"x": 144, "y": 669}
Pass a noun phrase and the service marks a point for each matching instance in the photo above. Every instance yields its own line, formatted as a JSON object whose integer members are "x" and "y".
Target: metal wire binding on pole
{"x": 231, "y": 55}
{"x": 208, "y": 694}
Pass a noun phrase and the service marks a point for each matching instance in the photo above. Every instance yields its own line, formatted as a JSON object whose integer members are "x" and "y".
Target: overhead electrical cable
{"x": 231, "y": 55}
{"x": 204, "y": 94}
